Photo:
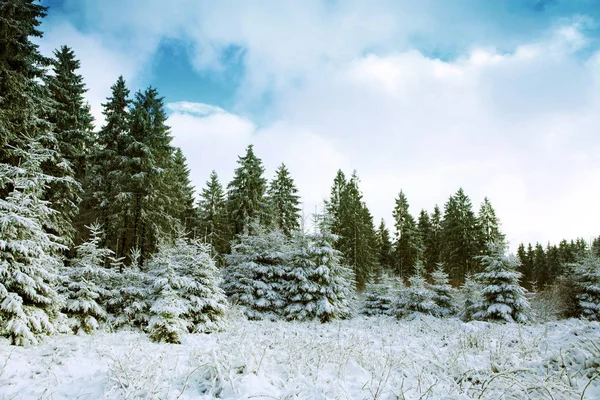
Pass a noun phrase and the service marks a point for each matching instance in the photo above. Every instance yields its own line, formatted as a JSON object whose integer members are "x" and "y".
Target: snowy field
{"x": 362, "y": 358}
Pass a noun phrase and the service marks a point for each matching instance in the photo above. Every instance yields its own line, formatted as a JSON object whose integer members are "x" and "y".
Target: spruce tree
{"x": 145, "y": 190}
{"x": 106, "y": 173}
{"x": 470, "y": 294}
{"x": 587, "y": 278}
{"x": 212, "y": 215}
{"x": 87, "y": 283}
{"x": 424, "y": 230}
{"x": 417, "y": 297}
{"x": 255, "y": 272}
{"x": 182, "y": 195}
{"x": 284, "y": 202}
{"x": 73, "y": 127}
{"x": 460, "y": 237}
{"x": 384, "y": 248}
{"x": 380, "y": 296}
{"x": 29, "y": 302}
{"x": 246, "y": 193}
{"x": 489, "y": 226}
{"x": 503, "y": 297}
{"x": 433, "y": 245}
{"x": 407, "y": 246}
{"x": 443, "y": 292}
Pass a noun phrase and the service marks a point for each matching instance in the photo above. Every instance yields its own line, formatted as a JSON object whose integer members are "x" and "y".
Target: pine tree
{"x": 246, "y": 193}
{"x": 407, "y": 245}
{"x": 29, "y": 302}
{"x": 587, "y": 278}
{"x": 145, "y": 193}
{"x": 489, "y": 226}
{"x": 460, "y": 237}
{"x": 87, "y": 283}
{"x": 255, "y": 272}
{"x": 443, "y": 292}
{"x": 106, "y": 167}
{"x": 317, "y": 285}
{"x": 384, "y": 248}
{"x": 212, "y": 215}
{"x": 182, "y": 195}
{"x": 503, "y": 297}
{"x": 284, "y": 202}
{"x": 73, "y": 127}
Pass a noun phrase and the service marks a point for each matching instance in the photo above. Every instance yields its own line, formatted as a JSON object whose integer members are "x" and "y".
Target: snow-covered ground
{"x": 362, "y": 358}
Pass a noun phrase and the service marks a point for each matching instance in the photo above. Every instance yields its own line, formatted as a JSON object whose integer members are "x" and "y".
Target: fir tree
{"x": 425, "y": 232}
{"x": 212, "y": 215}
{"x": 182, "y": 195}
{"x": 107, "y": 169}
{"x": 587, "y": 278}
{"x": 407, "y": 245}
{"x": 460, "y": 237}
{"x": 470, "y": 293}
{"x": 384, "y": 248}
{"x": 443, "y": 292}
{"x": 284, "y": 202}
{"x": 503, "y": 297}
{"x": 246, "y": 193}
{"x": 433, "y": 242}
{"x": 255, "y": 272}
{"x": 418, "y": 297}
{"x": 28, "y": 299}
{"x": 87, "y": 283}
{"x": 380, "y": 297}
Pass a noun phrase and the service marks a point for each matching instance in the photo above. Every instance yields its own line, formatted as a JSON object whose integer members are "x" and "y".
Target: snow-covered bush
{"x": 587, "y": 276}
{"x": 503, "y": 299}
{"x": 186, "y": 296}
{"x": 86, "y": 284}
{"x": 380, "y": 296}
{"x": 317, "y": 284}
{"x": 417, "y": 297}
{"x": 255, "y": 272}
{"x": 443, "y": 292}
{"x": 29, "y": 303}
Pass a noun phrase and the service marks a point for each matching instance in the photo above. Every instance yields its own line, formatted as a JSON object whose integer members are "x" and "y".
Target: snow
{"x": 361, "y": 358}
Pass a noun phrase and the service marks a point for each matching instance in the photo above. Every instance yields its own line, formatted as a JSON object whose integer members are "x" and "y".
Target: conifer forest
{"x": 120, "y": 279}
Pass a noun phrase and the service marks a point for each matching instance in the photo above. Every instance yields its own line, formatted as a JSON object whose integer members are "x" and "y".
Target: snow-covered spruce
{"x": 417, "y": 297}
{"x": 503, "y": 299}
{"x": 87, "y": 284}
{"x": 317, "y": 285}
{"x": 380, "y": 296}
{"x": 469, "y": 297}
{"x": 186, "y": 296}
{"x": 587, "y": 275}
{"x": 443, "y": 292}
{"x": 255, "y": 271}
{"x": 29, "y": 303}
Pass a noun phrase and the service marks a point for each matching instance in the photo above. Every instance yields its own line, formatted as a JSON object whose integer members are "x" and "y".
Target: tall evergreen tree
{"x": 425, "y": 232}
{"x": 384, "y": 247}
{"x": 246, "y": 193}
{"x": 107, "y": 167}
{"x": 145, "y": 196}
{"x": 182, "y": 194}
{"x": 460, "y": 237}
{"x": 407, "y": 245}
{"x": 489, "y": 226}
{"x": 212, "y": 215}
{"x": 284, "y": 202}
{"x": 587, "y": 277}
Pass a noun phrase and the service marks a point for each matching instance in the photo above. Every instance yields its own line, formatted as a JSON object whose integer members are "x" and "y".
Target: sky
{"x": 501, "y": 98}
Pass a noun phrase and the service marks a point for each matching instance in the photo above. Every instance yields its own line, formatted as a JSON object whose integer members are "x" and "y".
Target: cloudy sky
{"x": 501, "y": 98}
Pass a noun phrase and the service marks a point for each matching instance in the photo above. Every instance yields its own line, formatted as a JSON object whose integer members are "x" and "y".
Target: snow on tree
{"x": 87, "y": 283}
{"x": 489, "y": 225}
{"x": 503, "y": 298}
{"x": 443, "y": 292}
{"x": 470, "y": 295}
{"x": 255, "y": 270}
{"x": 29, "y": 302}
{"x": 407, "y": 247}
{"x": 417, "y": 297}
{"x": 284, "y": 201}
{"x": 317, "y": 285}
{"x": 212, "y": 217}
{"x": 380, "y": 296}
{"x": 587, "y": 276}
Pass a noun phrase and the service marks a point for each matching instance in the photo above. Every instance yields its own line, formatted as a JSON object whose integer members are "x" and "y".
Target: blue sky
{"x": 498, "y": 97}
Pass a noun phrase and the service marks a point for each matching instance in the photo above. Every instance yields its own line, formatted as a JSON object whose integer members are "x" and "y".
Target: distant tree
{"x": 503, "y": 297}
{"x": 246, "y": 193}
{"x": 489, "y": 226}
{"x": 407, "y": 245}
{"x": 284, "y": 202}
{"x": 425, "y": 231}
{"x": 384, "y": 248}
{"x": 181, "y": 192}
{"x": 212, "y": 214}
{"x": 460, "y": 237}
